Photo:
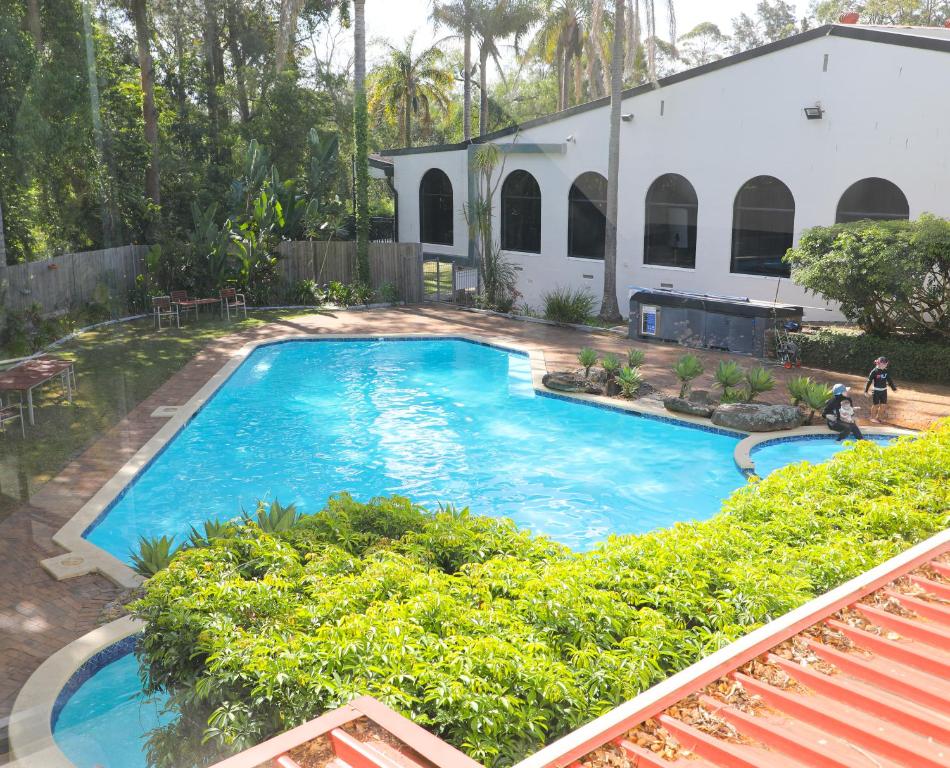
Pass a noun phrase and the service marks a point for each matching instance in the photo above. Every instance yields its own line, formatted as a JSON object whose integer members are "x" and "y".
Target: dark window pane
{"x": 521, "y": 213}
{"x": 587, "y": 217}
{"x": 669, "y": 237}
{"x": 873, "y": 198}
{"x": 436, "y": 216}
{"x": 763, "y": 225}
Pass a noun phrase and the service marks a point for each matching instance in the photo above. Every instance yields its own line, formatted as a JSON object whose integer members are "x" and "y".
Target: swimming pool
{"x": 437, "y": 420}
{"x": 815, "y": 449}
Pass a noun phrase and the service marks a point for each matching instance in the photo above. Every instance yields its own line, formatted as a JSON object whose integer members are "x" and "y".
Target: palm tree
{"x": 407, "y": 85}
{"x": 459, "y": 16}
{"x": 560, "y": 41}
{"x": 143, "y": 34}
{"x": 609, "y": 311}
{"x": 361, "y": 142}
{"x": 495, "y": 22}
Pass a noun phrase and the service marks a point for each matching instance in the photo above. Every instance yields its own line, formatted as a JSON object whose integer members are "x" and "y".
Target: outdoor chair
{"x": 231, "y": 299}
{"x": 11, "y": 412}
{"x": 162, "y": 306}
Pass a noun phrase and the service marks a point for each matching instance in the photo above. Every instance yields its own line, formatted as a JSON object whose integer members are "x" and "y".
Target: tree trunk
{"x": 407, "y": 119}
{"x": 237, "y": 56}
{"x": 467, "y": 88}
{"x": 578, "y": 79}
{"x": 483, "y": 84}
{"x": 609, "y": 311}
{"x": 35, "y": 22}
{"x": 360, "y": 130}
{"x": 3, "y": 251}
{"x": 286, "y": 33}
{"x": 211, "y": 81}
{"x": 149, "y": 112}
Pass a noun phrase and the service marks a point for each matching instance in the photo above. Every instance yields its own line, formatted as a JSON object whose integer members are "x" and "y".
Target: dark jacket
{"x": 880, "y": 378}
{"x": 832, "y": 409}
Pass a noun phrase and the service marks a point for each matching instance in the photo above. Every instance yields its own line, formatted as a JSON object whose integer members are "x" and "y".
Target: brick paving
{"x": 38, "y": 615}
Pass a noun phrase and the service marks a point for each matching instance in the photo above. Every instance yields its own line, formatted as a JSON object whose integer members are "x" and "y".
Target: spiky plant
{"x": 728, "y": 374}
{"x": 757, "y": 381}
{"x": 611, "y": 365}
{"x": 798, "y": 388}
{"x": 815, "y": 397}
{"x": 636, "y": 357}
{"x": 213, "y": 529}
{"x": 629, "y": 380}
{"x": 587, "y": 357}
{"x": 274, "y": 518}
{"x": 687, "y": 368}
{"x": 154, "y": 555}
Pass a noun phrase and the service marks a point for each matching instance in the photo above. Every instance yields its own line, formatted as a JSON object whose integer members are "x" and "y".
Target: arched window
{"x": 872, "y": 199}
{"x": 763, "y": 223}
{"x": 587, "y": 217}
{"x": 669, "y": 236}
{"x": 436, "y": 215}
{"x": 521, "y": 213}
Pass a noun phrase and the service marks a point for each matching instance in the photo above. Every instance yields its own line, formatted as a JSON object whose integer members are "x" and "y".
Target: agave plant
{"x": 587, "y": 357}
{"x": 757, "y": 381}
{"x": 629, "y": 380}
{"x": 636, "y": 357}
{"x": 687, "y": 368}
{"x": 213, "y": 529}
{"x": 798, "y": 388}
{"x": 728, "y": 374}
{"x": 274, "y": 518}
{"x": 815, "y": 397}
{"x": 154, "y": 555}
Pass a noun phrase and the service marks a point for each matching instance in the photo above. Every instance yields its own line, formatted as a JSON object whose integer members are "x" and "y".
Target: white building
{"x": 721, "y": 169}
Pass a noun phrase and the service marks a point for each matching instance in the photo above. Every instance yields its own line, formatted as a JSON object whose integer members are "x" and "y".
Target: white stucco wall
{"x": 885, "y": 115}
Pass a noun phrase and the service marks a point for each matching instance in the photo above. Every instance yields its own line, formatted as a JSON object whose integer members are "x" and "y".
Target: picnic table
{"x": 184, "y": 304}
{"x": 27, "y": 376}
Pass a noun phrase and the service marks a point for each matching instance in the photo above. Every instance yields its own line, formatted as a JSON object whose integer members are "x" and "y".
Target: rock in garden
{"x": 692, "y": 407}
{"x": 565, "y": 381}
{"x": 757, "y": 417}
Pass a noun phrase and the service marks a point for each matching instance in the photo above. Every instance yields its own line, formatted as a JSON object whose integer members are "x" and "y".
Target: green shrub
{"x": 636, "y": 357}
{"x": 757, "y": 381}
{"x": 389, "y": 293}
{"x": 155, "y": 554}
{"x": 849, "y": 352}
{"x": 496, "y": 640}
{"x": 307, "y": 293}
{"x": 629, "y": 380}
{"x": 568, "y": 305}
{"x": 587, "y": 357}
{"x": 611, "y": 364}
{"x": 687, "y": 368}
{"x": 798, "y": 387}
{"x": 727, "y": 376}
{"x": 815, "y": 398}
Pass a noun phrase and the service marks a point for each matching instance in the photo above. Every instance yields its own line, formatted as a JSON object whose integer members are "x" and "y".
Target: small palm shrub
{"x": 587, "y": 357}
{"x": 568, "y": 305}
{"x": 307, "y": 293}
{"x": 729, "y": 374}
{"x": 611, "y": 365}
{"x": 636, "y": 358}
{"x": 154, "y": 555}
{"x": 274, "y": 518}
{"x": 687, "y": 368}
{"x": 211, "y": 529}
{"x": 798, "y": 388}
{"x": 629, "y": 380}
{"x": 757, "y": 381}
{"x": 815, "y": 397}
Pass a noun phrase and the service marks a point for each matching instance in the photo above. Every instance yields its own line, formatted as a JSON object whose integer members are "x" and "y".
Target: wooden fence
{"x": 73, "y": 279}
{"x": 399, "y": 264}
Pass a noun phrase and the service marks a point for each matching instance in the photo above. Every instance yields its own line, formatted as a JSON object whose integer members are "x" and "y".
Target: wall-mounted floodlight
{"x": 627, "y": 117}
{"x": 571, "y": 139}
{"x": 814, "y": 113}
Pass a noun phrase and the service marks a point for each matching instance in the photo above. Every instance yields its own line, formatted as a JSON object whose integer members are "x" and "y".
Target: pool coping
{"x": 31, "y": 721}
{"x": 82, "y": 557}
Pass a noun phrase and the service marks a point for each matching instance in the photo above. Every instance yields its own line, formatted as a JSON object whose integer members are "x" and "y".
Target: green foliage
{"x": 587, "y": 357}
{"x": 210, "y": 530}
{"x": 841, "y": 350}
{"x": 798, "y": 388}
{"x": 629, "y": 380}
{"x": 568, "y": 305}
{"x": 757, "y": 381}
{"x": 307, "y": 293}
{"x": 154, "y": 555}
{"x": 728, "y": 374}
{"x": 274, "y": 518}
{"x": 812, "y": 394}
{"x": 611, "y": 364}
{"x": 636, "y": 357}
{"x": 687, "y": 368}
{"x": 389, "y": 293}
{"x": 496, "y": 640}
{"x": 887, "y": 275}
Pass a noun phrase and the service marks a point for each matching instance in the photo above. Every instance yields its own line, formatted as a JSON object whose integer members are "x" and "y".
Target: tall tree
{"x": 560, "y": 41}
{"x": 361, "y": 141}
{"x": 496, "y": 22}
{"x": 703, "y": 44}
{"x": 459, "y": 16}
{"x": 407, "y": 84}
{"x": 772, "y": 21}
{"x": 143, "y": 37}
{"x": 609, "y": 311}
{"x": 35, "y": 22}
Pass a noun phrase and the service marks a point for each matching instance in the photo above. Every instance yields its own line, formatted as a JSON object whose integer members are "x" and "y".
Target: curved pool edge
{"x": 31, "y": 721}
{"x": 83, "y": 557}
{"x": 742, "y": 454}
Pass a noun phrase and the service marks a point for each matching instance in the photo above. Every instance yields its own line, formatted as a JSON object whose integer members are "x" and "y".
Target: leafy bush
{"x": 798, "y": 387}
{"x": 886, "y": 275}
{"x": 841, "y": 350}
{"x": 757, "y": 381}
{"x": 636, "y": 357}
{"x": 687, "y": 368}
{"x": 389, "y": 293}
{"x": 587, "y": 357}
{"x": 274, "y": 518}
{"x": 494, "y": 639}
{"x": 307, "y": 293}
{"x": 568, "y": 305}
{"x": 812, "y": 394}
{"x": 629, "y": 380}
{"x": 611, "y": 364}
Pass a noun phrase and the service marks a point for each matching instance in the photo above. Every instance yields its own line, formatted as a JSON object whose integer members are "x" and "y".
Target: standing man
{"x": 880, "y": 379}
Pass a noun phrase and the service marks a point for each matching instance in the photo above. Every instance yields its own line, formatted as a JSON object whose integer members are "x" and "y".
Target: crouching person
{"x": 839, "y": 414}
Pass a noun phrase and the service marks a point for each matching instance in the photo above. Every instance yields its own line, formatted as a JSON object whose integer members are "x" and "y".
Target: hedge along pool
{"x": 437, "y": 420}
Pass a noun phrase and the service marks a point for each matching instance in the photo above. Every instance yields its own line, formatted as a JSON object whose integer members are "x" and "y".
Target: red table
{"x": 27, "y": 376}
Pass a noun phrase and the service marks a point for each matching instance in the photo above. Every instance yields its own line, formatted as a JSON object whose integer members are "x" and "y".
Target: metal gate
{"x": 446, "y": 280}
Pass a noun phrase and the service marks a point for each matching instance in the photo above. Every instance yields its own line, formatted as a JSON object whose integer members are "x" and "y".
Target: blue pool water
{"x": 774, "y": 456}
{"x": 104, "y": 724}
{"x": 435, "y": 420}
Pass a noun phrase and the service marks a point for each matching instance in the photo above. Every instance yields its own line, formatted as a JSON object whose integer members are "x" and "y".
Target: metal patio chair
{"x": 9, "y": 413}
{"x": 162, "y": 306}
{"x": 231, "y": 299}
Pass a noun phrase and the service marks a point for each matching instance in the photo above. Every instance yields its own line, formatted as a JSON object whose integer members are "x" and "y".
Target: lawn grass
{"x": 117, "y": 367}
